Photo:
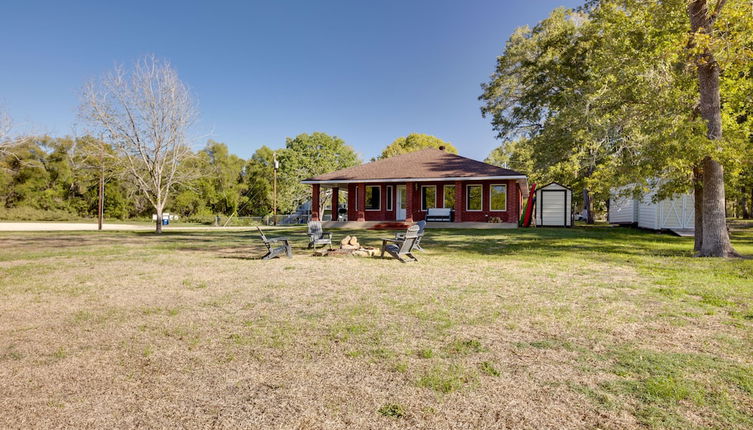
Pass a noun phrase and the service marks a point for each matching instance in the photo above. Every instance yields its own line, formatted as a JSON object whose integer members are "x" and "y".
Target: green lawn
{"x": 556, "y": 328}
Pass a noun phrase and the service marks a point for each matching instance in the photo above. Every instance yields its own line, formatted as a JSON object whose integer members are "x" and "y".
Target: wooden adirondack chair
{"x": 317, "y": 236}
{"x": 400, "y": 248}
{"x": 421, "y": 226}
{"x": 273, "y": 249}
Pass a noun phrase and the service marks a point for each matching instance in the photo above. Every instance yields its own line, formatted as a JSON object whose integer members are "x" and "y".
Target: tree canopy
{"x": 608, "y": 95}
{"x": 51, "y": 178}
{"x": 309, "y": 155}
{"x": 415, "y": 142}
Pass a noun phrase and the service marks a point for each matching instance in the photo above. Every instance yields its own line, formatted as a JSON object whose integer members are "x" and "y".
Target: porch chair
{"x": 421, "y": 226}
{"x": 273, "y": 249}
{"x": 317, "y": 236}
{"x": 401, "y": 248}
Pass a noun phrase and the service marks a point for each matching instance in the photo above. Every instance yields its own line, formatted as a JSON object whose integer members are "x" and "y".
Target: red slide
{"x": 529, "y": 206}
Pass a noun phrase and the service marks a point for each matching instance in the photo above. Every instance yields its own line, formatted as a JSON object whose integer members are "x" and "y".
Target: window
{"x": 355, "y": 197}
{"x": 373, "y": 197}
{"x": 449, "y": 197}
{"x": 428, "y": 197}
{"x": 473, "y": 197}
{"x": 389, "y": 197}
{"x": 498, "y": 197}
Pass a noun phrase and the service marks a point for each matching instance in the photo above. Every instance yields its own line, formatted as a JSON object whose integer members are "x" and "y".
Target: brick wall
{"x": 382, "y": 214}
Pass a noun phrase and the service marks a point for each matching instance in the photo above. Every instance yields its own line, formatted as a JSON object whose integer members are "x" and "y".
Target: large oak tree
{"x": 604, "y": 97}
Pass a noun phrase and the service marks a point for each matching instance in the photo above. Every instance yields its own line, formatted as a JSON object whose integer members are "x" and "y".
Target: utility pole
{"x": 101, "y": 203}
{"x": 274, "y": 188}
{"x": 100, "y": 208}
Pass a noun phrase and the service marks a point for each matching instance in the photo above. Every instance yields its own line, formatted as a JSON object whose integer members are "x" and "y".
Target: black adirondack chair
{"x": 421, "y": 226}
{"x": 401, "y": 248}
{"x": 317, "y": 236}
{"x": 276, "y": 246}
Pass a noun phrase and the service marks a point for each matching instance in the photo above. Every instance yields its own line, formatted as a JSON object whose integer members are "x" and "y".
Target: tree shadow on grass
{"x": 560, "y": 242}
{"x": 242, "y": 257}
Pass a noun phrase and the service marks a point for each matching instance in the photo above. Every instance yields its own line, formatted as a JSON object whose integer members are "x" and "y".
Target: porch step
{"x": 683, "y": 232}
{"x": 389, "y": 226}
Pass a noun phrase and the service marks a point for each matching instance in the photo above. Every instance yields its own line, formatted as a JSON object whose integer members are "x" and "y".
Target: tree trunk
{"x": 716, "y": 241}
{"x": 326, "y": 196}
{"x": 159, "y": 222}
{"x": 744, "y": 203}
{"x": 698, "y": 208}
{"x": 588, "y": 206}
{"x": 101, "y": 200}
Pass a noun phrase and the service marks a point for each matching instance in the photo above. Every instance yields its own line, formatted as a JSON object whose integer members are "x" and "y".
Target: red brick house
{"x": 404, "y": 187}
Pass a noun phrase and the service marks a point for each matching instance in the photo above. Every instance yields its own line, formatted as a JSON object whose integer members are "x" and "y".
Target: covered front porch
{"x": 490, "y": 201}
{"x": 380, "y": 202}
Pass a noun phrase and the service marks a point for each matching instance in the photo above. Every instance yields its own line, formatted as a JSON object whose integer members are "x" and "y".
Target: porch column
{"x": 361, "y": 202}
{"x": 335, "y": 202}
{"x": 409, "y": 186}
{"x": 459, "y": 204}
{"x": 315, "y": 202}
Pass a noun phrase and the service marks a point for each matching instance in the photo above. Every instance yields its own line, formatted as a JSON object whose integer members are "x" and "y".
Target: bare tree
{"x": 145, "y": 114}
{"x": 7, "y": 141}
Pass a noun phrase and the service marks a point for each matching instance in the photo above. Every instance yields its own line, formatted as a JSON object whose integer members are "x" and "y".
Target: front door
{"x": 400, "y": 215}
{"x": 553, "y": 208}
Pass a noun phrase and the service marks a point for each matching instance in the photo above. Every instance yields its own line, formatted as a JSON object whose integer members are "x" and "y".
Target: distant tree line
{"x": 43, "y": 177}
{"x": 61, "y": 175}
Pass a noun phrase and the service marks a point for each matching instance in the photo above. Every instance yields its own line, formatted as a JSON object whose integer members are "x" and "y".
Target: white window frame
{"x": 491, "y": 186}
{"x": 389, "y": 193}
{"x": 421, "y": 197}
{"x": 444, "y": 196}
{"x": 468, "y": 194}
{"x": 379, "y": 205}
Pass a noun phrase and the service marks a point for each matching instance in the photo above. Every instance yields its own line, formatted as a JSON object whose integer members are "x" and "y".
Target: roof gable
{"x": 555, "y": 185}
{"x": 425, "y": 164}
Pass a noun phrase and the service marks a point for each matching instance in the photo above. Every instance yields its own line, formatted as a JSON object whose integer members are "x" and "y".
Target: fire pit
{"x": 349, "y": 247}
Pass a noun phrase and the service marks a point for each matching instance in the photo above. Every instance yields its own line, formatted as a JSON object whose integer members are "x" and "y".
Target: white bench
{"x": 439, "y": 214}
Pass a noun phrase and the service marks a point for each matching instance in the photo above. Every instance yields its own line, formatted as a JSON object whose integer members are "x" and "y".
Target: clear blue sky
{"x": 367, "y": 72}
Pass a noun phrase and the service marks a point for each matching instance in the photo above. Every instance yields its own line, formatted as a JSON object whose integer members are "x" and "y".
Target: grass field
{"x": 579, "y": 328}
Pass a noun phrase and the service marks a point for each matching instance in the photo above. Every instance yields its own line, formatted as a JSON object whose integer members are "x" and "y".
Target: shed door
{"x": 553, "y": 207}
{"x": 689, "y": 212}
{"x": 671, "y": 211}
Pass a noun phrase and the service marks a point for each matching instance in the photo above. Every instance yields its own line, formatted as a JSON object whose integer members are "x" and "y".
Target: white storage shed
{"x": 554, "y": 206}
{"x": 676, "y": 213}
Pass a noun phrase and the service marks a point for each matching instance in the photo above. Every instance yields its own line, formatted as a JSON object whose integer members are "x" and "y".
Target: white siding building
{"x": 676, "y": 213}
{"x": 622, "y": 210}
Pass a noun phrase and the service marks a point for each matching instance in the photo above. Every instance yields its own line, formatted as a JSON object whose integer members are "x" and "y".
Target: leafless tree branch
{"x": 145, "y": 114}
{"x": 7, "y": 140}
